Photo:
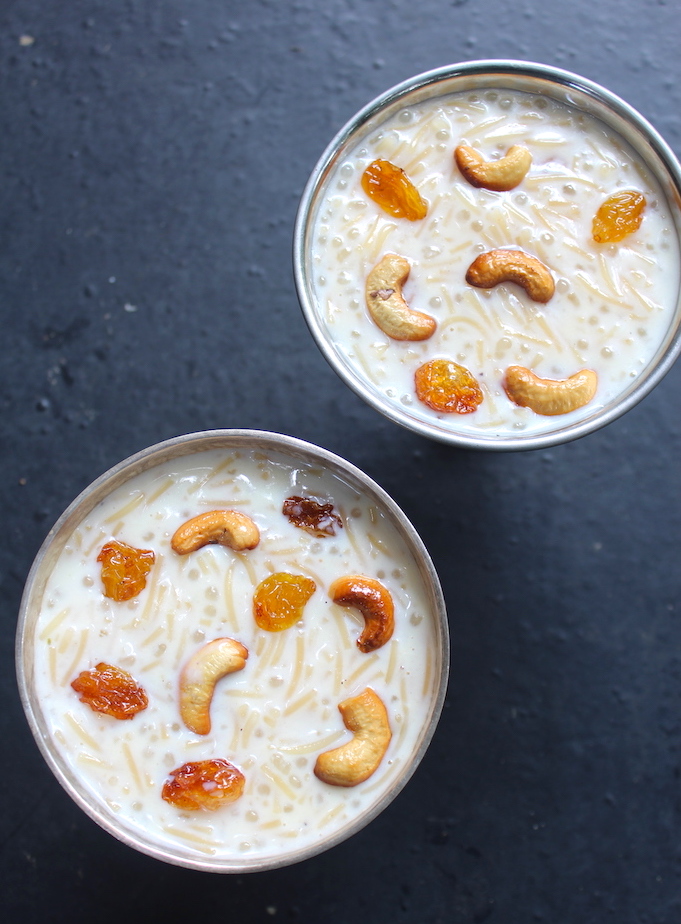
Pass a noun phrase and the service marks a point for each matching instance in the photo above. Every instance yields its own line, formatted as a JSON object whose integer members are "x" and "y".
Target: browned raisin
{"x": 313, "y": 516}
{"x": 204, "y": 784}
{"x": 620, "y": 215}
{"x": 391, "y": 189}
{"x": 280, "y": 599}
{"x": 447, "y": 387}
{"x": 111, "y": 691}
{"x": 124, "y": 569}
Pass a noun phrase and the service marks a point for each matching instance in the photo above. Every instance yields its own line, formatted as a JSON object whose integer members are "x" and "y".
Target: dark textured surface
{"x": 151, "y": 159}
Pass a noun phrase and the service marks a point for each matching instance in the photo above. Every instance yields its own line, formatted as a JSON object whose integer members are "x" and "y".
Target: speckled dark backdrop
{"x": 152, "y": 155}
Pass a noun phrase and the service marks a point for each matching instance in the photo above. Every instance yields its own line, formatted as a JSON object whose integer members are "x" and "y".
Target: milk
{"x": 276, "y": 715}
{"x": 613, "y": 305}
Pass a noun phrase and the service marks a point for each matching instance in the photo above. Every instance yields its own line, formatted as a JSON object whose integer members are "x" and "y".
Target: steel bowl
{"x": 301, "y": 457}
{"x": 481, "y": 76}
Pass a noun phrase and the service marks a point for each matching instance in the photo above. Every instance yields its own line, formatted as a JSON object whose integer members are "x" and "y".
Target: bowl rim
{"x": 86, "y": 500}
{"x": 665, "y": 162}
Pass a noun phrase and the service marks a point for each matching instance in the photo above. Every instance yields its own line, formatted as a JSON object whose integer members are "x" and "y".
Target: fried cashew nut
{"x": 199, "y": 676}
{"x": 550, "y": 397}
{"x": 499, "y": 175}
{"x": 355, "y": 761}
{"x": 374, "y": 602}
{"x": 495, "y": 266}
{"x": 226, "y": 527}
{"x": 386, "y": 303}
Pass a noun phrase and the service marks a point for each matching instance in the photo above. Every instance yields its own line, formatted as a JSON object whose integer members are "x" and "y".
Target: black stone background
{"x": 152, "y": 155}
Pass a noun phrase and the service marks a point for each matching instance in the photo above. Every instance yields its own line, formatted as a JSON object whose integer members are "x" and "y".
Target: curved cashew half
{"x": 500, "y": 175}
{"x": 374, "y": 602}
{"x": 226, "y": 527}
{"x": 353, "y": 762}
{"x": 495, "y": 266}
{"x": 387, "y": 306}
{"x": 550, "y": 396}
{"x": 199, "y": 676}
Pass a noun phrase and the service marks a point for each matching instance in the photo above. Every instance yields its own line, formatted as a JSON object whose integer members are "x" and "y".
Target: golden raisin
{"x": 390, "y": 187}
{"x": 110, "y": 690}
{"x": 204, "y": 784}
{"x": 620, "y": 214}
{"x": 312, "y": 515}
{"x": 124, "y": 569}
{"x": 447, "y": 387}
{"x": 279, "y": 600}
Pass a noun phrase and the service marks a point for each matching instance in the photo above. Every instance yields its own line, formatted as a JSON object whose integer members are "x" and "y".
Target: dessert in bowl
{"x": 233, "y": 650}
{"x": 488, "y": 254}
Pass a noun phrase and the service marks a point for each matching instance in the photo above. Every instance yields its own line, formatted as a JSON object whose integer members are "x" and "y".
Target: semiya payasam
{"x": 225, "y": 696}
{"x": 613, "y": 302}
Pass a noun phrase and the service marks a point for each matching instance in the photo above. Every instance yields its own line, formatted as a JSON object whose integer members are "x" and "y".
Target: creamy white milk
{"x": 275, "y": 716}
{"x": 613, "y": 302}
